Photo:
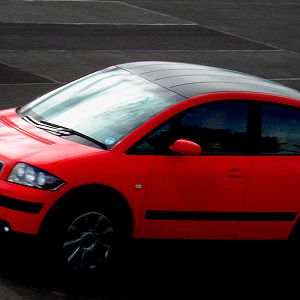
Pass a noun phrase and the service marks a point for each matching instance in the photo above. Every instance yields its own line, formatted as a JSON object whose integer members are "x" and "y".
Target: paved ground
{"x": 162, "y": 271}
{"x": 57, "y": 41}
{"x": 46, "y": 43}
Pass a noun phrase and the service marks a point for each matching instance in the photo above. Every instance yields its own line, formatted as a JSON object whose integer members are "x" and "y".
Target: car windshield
{"x": 105, "y": 105}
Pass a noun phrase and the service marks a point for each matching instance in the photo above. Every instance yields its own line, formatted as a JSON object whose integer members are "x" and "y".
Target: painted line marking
{"x": 95, "y": 1}
{"x": 286, "y": 79}
{"x": 32, "y": 83}
{"x": 110, "y": 24}
{"x": 150, "y": 50}
{"x": 242, "y": 37}
{"x": 222, "y": 31}
{"x": 156, "y": 12}
{"x": 208, "y": 2}
{"x": 34, "y": 73}
{"x": 179, "y": 2}
{"x": 186, "y": 22}
{"x": 141, "y": 51}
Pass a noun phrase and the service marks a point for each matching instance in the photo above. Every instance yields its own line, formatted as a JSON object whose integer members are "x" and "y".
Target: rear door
{"x": 273, "y": 197}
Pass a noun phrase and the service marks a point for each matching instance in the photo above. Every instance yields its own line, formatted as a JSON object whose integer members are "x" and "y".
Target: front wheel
{"x": 88, "y": 241}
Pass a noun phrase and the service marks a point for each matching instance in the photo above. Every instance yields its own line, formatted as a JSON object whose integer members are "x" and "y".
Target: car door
{"x": 197, "y": 196}
{"x": 273, "y": 196}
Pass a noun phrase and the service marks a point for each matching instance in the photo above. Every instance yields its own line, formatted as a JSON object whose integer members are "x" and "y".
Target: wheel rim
{"x": 88, "y": 241}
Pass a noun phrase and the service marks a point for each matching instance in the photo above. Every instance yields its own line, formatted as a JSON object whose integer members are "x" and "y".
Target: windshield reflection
{"x": 106, "y": 105}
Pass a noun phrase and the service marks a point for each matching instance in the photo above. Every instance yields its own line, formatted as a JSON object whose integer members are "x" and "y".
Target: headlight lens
{"x": 34, "y": 177}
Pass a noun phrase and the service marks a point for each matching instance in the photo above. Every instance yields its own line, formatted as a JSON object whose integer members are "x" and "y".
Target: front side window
{"x": 219, "y": 127}
{"x": 280, "y": 129}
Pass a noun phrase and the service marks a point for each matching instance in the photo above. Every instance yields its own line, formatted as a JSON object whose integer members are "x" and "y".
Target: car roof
{"x": 190, "y": 80}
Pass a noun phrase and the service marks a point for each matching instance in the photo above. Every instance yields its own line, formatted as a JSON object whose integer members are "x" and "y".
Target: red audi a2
{"x": 152, "y": 150}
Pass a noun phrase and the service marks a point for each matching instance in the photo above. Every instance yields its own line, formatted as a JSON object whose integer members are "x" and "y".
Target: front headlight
{"x": 34, "y": 177}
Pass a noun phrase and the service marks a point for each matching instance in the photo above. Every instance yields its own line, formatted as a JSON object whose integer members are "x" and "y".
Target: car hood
{"x": 21, "y": 141}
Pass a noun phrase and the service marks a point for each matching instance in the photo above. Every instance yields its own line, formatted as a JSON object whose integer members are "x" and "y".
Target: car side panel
{"x": 274, "y": 186}
{"x": 195, "y": 197}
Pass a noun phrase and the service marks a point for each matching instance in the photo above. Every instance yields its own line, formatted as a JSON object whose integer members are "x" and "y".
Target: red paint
{"x": 173, "y": 183}
{"x": 186, "y": 147}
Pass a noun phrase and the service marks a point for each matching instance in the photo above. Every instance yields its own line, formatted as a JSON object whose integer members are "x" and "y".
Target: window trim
{"x": 261, "y": 103}
{"x": 254, "y": 129}
{"x": 131, "y": 150}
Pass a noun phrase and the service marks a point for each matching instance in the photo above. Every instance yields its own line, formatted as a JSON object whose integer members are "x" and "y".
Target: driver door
{"x": 198, "y": 196}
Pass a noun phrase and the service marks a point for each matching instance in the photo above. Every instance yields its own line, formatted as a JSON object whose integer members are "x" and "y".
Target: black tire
{"x": 87, "y": 240}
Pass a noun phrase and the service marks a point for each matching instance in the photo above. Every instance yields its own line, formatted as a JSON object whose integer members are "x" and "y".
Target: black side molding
{"x": 219, "y": 216}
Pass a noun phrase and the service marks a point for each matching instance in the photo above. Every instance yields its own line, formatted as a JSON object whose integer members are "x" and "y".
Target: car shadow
{"x": 163, "y": 270}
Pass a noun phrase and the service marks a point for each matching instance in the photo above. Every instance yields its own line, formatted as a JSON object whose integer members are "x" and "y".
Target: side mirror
{"x": 184, "y": 146}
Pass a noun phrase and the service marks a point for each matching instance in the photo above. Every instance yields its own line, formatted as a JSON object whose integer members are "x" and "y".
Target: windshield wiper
{"x": 60, "y": 130}
{"x": 69, "y": 131}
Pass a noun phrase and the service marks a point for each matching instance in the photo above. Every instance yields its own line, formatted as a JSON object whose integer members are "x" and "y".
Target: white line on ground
{"x": 156, "y": 12}
{"x": 287, "y": 79}
{"x": 215, "y": 3}
{"x": 233, "y": 3}
{"x": 37, "y": 74}
{"x": 177, "y": 2}
{"x": 241, "y": 37}
{"x": 32, "y": 83}
{"x": 64, "y": 82}
{"x": 223, "y": 31}
{"x": 63, "y": 1}
{"x": 165, "y": 15}
{"x": 110, "y": 24}
{"x": 139, "y": 50}
{"x": 181, "y": 22}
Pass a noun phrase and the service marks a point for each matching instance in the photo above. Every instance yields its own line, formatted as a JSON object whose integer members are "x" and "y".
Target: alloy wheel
{"x": 88, "y": 241}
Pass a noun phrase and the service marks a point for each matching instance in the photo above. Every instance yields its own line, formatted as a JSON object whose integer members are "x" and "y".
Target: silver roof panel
{"x": 191, "y": 80}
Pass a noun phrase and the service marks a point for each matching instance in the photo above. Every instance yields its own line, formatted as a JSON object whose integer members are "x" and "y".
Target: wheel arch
{"x": 94, "y": 196}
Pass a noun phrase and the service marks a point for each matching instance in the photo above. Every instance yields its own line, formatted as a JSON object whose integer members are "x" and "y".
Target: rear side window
{"x": 280, "y": 129}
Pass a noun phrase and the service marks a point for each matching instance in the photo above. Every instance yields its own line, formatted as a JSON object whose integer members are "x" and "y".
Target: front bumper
{"x": 20, "y": 205}
{"x": 22, "y": 209}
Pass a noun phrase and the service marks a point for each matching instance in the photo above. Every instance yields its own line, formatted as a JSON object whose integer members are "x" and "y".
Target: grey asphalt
{"x": 44, "y": 44}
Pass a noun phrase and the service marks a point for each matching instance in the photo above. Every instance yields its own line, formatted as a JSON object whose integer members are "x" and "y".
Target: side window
{"x": 219, "y": 127}
{"x": 280, "y": 131}
{"x": 157, "y": 142}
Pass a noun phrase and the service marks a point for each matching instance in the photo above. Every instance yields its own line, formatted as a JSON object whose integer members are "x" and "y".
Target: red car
{"x": 152, "y": 150}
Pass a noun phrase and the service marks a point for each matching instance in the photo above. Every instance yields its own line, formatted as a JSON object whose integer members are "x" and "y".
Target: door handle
{"x": 235, "y": 173}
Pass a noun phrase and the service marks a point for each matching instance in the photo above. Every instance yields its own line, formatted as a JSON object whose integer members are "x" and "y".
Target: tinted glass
{"x": 280, "y": 133}
{"x": 106, "y": 105}
{"x": 219, "y": 127}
